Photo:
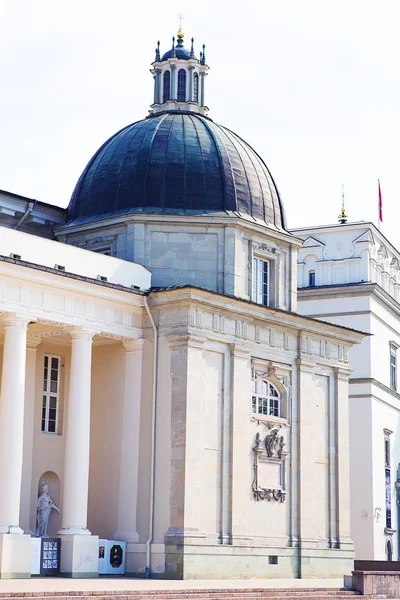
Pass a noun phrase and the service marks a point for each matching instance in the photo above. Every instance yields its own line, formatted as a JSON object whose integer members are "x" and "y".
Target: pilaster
{"x": 187, "y": 402}
{"x": 240, "y": 389}
{"x": 342, "y": 486}
{"x": 129, "y": 467}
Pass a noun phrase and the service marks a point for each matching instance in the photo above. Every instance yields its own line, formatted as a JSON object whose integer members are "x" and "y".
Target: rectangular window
{"x": 387, "y": 452}
{"x": 311, "y": 278}
{"x": 51, "y": 392}
{"x": 260, "y": 289}
{"x": 393, "y": 368}
{"x": 388, "y": 499}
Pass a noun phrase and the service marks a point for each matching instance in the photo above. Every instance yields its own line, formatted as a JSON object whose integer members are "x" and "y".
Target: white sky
{"x": 312, "y": 85}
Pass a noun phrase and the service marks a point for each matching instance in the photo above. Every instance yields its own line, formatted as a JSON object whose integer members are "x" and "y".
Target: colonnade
{"x": 77, "y": 439}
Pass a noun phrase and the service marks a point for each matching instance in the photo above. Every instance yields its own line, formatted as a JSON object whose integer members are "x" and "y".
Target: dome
{"x": 174, "y": 163}
{"x": 178, "y": 52}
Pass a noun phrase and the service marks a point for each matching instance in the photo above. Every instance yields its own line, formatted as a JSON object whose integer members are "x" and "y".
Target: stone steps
{"x": 195, "y": 594}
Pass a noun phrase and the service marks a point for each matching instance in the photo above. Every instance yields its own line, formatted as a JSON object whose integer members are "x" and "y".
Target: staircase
{"x": 196, "y": 594}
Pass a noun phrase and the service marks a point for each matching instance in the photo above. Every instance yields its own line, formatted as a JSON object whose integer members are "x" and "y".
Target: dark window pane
{"x": 53, "y": 386}
{"x": 167, "y": 84}
{"x": 52, "y": 414}
{"x": 53, "y": 402}
{"x": 52, "y": 427}
{"x": 46, "y": 361}
{"x": 54, "y": 363}
{"x": 196, "y": 87}
{"x": 181, "y": 85}
{"x": 43, "y": 425}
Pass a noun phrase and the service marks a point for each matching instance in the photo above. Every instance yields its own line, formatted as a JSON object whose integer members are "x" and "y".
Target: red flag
{"x": 380, "y": 202}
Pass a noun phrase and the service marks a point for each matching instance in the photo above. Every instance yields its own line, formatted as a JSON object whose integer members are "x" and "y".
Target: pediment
{"x": 394, "y": 263}
{"x": 312, "y": 242}
{"x": 366, "y": 236}
{"x": 382, "y": 251}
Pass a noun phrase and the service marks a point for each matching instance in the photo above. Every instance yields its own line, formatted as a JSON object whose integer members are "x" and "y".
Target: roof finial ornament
{"x": 180, "y": 32}
{"x": 173, "y": 46}
{"x": 158, "y": 51}
{"x": 192, "y": 49}
{"x": 342, "y": 216}
{"x": 203, "y": 55}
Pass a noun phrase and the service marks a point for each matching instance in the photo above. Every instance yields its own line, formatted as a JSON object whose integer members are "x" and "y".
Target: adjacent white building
{"x": 349, "y": 274}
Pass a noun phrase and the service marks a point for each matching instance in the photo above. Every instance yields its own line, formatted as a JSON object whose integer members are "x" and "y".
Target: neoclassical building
{"x": 155, "y": 372}
{"x": 349, "y": 274}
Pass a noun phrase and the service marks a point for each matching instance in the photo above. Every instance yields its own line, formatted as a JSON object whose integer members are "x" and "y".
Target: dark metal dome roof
{"x": 176, "y": 163}
{"x": 178, "y": 52}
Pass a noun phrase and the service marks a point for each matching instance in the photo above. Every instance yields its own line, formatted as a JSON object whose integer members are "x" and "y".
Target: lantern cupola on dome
{"x": 179, "y": 79}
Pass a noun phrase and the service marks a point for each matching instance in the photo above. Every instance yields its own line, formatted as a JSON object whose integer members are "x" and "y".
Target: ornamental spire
{"x": 158, "y": 51}
{"x": 342, "y": 216}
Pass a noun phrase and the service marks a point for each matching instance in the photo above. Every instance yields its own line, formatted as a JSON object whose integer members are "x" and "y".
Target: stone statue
{"x": 44, "y": 507}
{"x": 275, "y": 444}
{"x": 271, "y": 442}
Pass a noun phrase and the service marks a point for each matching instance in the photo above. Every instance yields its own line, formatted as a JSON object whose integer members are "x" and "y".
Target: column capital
{"x": 134, "y": 345}
{"x": 81, "y": 333}
{"x": 15, "y": 320}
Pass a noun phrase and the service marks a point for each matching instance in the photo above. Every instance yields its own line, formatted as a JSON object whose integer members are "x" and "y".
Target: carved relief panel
{"x": 269, "y": 466}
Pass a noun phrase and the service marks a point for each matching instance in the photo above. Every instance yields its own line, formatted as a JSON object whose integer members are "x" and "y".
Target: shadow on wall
{"x": 53, "y": 481}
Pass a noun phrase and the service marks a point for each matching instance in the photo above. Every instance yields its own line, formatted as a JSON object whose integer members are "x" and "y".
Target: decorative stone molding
{"x": 272, "y": 456}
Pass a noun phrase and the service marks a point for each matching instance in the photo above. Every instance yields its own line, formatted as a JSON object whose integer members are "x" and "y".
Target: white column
{"x": 76, "y": 470}
{"x": 129, "y": 468}
{"x": 12, "y": 400}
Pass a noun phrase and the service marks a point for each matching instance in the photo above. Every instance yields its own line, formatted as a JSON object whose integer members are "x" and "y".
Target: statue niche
{"x": 44, "y": 507}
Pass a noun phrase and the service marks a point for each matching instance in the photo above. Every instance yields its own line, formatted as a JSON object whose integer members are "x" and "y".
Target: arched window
{"x": 181, "y": 85}
{"x": 196, "y": 87}
{"x": 167, "y": 86}
{"x": 265, "y": 400}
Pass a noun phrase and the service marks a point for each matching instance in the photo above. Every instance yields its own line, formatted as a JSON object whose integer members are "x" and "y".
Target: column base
{"x": 15, "y": 556}
{"x": 79, "y": 555}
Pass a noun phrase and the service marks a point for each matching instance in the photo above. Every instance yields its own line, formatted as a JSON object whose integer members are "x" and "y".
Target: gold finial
{"x": 180, "y": 32}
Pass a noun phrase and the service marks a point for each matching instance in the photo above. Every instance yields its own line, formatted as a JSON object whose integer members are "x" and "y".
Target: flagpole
{"x": 380, "y": 219}
{"x": 379, "y": 206}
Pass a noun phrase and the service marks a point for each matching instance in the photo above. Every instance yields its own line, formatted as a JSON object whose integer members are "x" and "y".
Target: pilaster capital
{"x": 81, "y": 333}
{"x": 239, "y": 351}
{"x": 133, "y": 345}
{"x": 33, "y": 341}
{"x": 191, "y": 68}
{"x": 15, "y": 320}
{"x": 306, "y": 365}
{"x": 186, "y": 340}
{"x": 342, "y": 373}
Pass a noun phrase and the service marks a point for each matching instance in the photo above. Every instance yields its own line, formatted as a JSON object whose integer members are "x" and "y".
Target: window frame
{"x": 267, "y": 399}
{"x": 260, "y": 289}
{"x": 48, "y": 394}
{"x": 311, "y": 278}
{"x": 393, "y": 366}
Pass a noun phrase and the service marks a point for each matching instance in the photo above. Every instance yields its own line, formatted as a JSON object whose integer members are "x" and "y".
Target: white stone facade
{"x": 226, "y": 501}
{"x": 357, "y": 285}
